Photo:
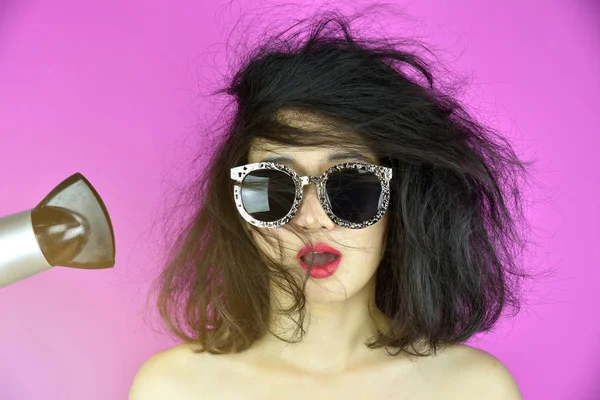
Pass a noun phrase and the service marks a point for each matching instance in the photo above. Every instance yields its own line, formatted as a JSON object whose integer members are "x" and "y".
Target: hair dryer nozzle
{"x": 69, "y": 228}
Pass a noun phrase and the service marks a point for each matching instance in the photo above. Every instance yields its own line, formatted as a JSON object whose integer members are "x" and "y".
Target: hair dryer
{"x": 69, "y": 228}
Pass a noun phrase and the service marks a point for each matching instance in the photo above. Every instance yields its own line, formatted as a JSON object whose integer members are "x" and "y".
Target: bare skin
{"x": 457, "y": 372}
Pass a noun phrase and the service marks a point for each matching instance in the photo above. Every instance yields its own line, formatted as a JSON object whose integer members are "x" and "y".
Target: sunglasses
{"x": 354, "y": 195}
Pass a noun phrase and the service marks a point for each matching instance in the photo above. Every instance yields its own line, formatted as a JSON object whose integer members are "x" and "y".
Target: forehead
{"x": 309, "y": 157}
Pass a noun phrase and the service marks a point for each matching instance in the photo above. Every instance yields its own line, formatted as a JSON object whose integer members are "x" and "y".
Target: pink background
{"x": 117, "y": 91}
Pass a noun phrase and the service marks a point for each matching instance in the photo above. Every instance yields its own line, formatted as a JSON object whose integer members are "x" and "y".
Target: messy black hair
{"x": 450, "y": 266}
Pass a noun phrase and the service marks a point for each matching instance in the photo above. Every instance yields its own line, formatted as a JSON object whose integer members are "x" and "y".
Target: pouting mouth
{"x": 319, "y": 258}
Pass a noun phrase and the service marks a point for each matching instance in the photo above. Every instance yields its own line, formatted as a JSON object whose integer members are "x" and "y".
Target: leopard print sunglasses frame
{"x": 384, "y": 174}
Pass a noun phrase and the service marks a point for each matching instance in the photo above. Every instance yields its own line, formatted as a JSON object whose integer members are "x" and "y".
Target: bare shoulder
{"x": 474, "y": 373}
{"x": 164, "y": 374}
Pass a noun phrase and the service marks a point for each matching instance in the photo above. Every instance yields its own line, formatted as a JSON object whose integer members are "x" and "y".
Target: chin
{"x": 330, "y": 291}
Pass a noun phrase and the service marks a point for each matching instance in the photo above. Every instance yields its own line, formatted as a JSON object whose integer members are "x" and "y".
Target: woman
{"x": 352, "y": 232}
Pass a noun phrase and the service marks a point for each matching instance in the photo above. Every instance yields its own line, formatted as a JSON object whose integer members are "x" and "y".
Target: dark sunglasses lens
{"x": 268, "y": 195}
{"x": 354, "y": 195}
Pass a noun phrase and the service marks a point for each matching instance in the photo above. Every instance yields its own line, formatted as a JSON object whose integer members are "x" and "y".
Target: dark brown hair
{"x": 450, "y": 266}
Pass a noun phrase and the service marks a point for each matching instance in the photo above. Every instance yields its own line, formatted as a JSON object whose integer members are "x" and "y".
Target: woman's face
{"x": 361, "y": 249}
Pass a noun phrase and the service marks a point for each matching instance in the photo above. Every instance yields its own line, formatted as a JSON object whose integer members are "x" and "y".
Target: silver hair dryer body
{"x": 69, "y": 228}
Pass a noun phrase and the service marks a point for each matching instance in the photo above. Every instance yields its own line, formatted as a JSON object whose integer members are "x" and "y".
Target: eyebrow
{"x": 348, "y": 155}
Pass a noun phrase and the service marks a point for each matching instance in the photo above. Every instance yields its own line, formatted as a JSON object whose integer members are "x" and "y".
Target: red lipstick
{"x": 320, "y": 269}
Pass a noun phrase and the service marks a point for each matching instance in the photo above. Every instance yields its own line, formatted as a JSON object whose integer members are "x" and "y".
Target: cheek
{"x": 267, "y": 241}
{"x": 373, "y": 245}
{"x": 365, "y": 254}
{"x": 372, "y": 238}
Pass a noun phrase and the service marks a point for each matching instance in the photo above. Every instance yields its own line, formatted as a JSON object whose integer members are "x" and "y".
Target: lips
{"x": 325, "y": 262}
{"x": 319, "y": 258}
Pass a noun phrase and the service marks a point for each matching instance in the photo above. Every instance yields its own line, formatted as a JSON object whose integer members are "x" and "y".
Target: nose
{"x": 311, "y": 214}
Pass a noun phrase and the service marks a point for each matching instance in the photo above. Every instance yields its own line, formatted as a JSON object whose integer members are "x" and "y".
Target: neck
{"x": 335, "y": 336}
